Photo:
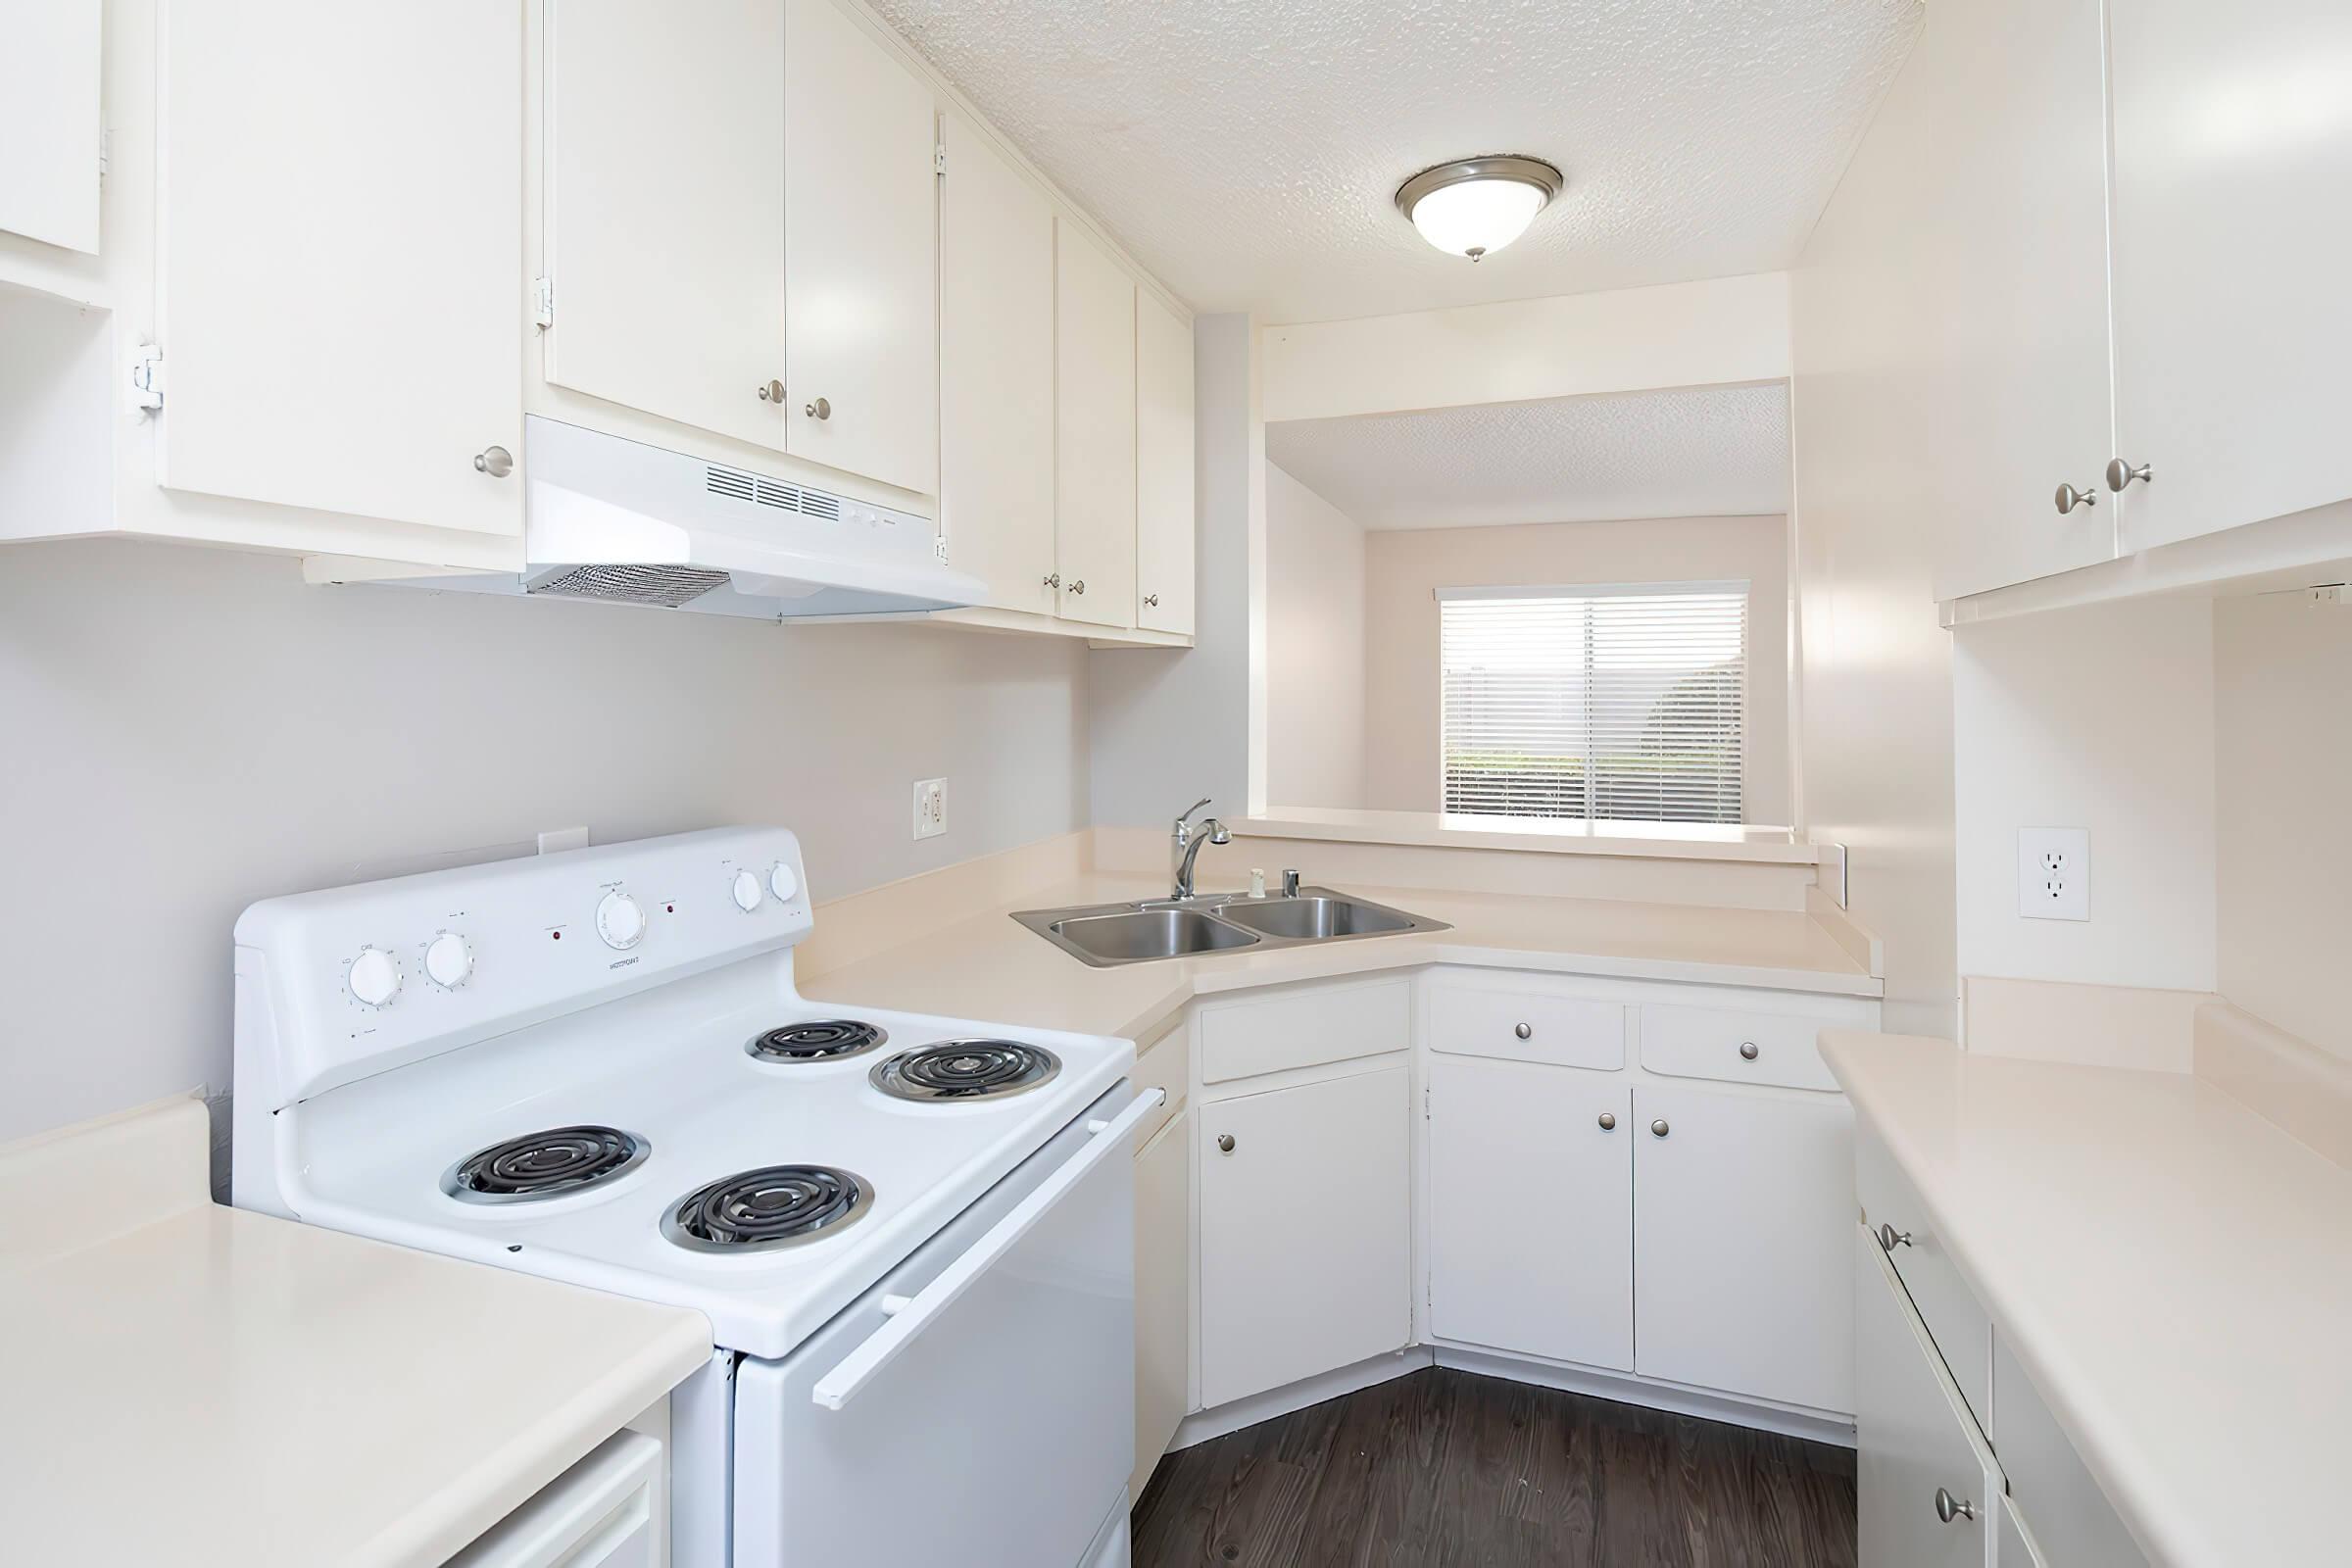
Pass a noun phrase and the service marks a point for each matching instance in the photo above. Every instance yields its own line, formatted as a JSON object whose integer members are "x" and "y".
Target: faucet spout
{"x": 1184, "y": 846}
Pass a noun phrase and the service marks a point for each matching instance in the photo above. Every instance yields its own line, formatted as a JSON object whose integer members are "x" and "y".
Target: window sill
{"x": 1681, "y": 841}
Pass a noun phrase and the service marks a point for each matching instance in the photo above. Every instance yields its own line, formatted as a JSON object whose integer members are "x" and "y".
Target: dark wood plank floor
{"x": 1450, "y": 1468}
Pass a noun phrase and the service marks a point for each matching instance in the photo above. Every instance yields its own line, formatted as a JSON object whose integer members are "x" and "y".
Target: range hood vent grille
{"x": 761, "y": 491}
{"x": 665, "y": 586}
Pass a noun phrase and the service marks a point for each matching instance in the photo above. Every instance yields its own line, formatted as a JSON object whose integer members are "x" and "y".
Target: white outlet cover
{"x": 930, "y": 807}
{"x": 2053, "y": 874}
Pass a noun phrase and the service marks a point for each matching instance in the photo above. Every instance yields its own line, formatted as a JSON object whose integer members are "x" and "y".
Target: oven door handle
{"x": 883, "y": 1347}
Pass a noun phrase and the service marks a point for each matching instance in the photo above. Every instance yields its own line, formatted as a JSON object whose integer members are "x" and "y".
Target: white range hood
{"x": 619, "y": 521}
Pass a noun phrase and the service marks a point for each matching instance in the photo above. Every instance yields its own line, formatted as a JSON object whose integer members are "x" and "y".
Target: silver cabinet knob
{"x": 771, "y": 392}
{"x": 496, "y": 461}
{"x": 1525, "y": 1031}
{"x": 1608, "y": 1121}
{"x": 1225, "y": 1142}
{"x": 1747, "y": 1050}
{"x": 2069, "y": 497}
{"x": 821, "y": 408}
{"x": 1151, "y": 601}
{"x": 1949, "y": 1507}
{"x": 1054, "y": 579}
{"x": 1078, "y": 586}
{"x": 1657, "y": 1129}
{"x": 2121, "y": 473}
{"x": 1889, "y": 1237}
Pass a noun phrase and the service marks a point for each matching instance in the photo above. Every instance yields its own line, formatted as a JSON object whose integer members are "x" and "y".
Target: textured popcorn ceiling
{"x": 1713, "y": 451}
{"x": 1248, "y": 151}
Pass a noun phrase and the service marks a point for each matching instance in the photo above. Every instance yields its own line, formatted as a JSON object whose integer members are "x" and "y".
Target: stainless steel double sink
{"x": 1107, "y": 935}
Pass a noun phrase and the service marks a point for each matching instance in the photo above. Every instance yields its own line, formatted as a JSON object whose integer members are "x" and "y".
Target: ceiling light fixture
{"x": 1476, "y": 206}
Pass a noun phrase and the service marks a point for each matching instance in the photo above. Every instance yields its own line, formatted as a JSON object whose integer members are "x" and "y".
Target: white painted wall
{"x": 1875, "y": 730}
{"x": 1168, "y": 727}
{"x": 2283, "y": 755}
{"x": 2099, "y": 719}
{"x": 189, "y": 730}
{"x": 1405, "y": 567}
{"x": 1722, "y": 331}
{"x": 1314, "y": 649}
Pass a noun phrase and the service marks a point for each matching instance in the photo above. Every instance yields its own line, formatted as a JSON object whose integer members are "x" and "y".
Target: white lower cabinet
{"x": 1927, "y": 1489}
{"x": 1162, "y": 1292}
{"x": 1531, "y": 1191}
{"x": 1744, "y": 1204}
{"x": 1305, "y": 1230}
{"x": 2015, "y": 1545}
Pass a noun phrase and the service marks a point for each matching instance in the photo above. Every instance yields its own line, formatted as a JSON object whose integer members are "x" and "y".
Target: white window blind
{"x": 1622, "y": 703}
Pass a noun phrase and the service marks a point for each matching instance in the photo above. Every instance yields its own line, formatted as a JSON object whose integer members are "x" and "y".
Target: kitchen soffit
{"x": 1702, "y": 453}
{"x": 1250, "y": 153}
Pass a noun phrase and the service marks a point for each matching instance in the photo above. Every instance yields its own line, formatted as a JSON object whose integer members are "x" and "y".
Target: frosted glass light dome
{"x": 1476, "y": 206}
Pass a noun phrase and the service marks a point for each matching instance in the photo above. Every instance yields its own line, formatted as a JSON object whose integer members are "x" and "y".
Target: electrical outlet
{"x": 2053, "y": 874}
{"x": 930, "y": 807}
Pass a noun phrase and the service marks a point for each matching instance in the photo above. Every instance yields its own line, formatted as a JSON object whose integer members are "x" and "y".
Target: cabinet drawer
{"x": 1165, "y": 1064}
{"x": 1741, "y": 1047}
{"x": 2074, "y": 1523}
{"x": 1467, "y": 1020}
{"x": 1958, "y": 1323}
{"x": 1303, "y": 1029}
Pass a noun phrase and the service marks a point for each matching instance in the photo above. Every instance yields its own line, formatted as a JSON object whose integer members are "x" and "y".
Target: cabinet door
{"x": 996, "y": 371}
{"x": 339, "y": 268}
{"x": 1163, "y": 467}
{"x": 860, "y": 242}
{"x": 1305, "y": 1229}
{"x": 1531, "y": 1203}
{"x": 1094, "y": 417}
{"x": 1912, "y": 1436}
{"x": 664, "y": 192}
{"x": 50, "y": 131}
{"x": 1163, "y": 1295}
{"x": 2232, "y": 160}
{"x": 2022, "y": 403}
{"x": 1744, "y": 1204}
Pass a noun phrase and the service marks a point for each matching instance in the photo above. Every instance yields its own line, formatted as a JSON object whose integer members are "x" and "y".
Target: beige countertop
{"x": 219, "y": 1386}
{"x": 2171, "y": 1268}
{"x": 988, "y": 966}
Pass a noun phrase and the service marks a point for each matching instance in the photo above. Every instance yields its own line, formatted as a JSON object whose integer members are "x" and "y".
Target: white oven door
{"x": 976, "y": 1406}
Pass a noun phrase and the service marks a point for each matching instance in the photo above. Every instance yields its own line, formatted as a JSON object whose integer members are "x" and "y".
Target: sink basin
{"x": 1107, "y": 935}
{"x": 1315, "y": 918}
{"x": 1137, "y": 936}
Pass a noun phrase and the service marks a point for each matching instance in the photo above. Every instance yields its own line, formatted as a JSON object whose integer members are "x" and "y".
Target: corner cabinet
{"x": 337, "y": 274}
{"x": 1164, "y": 511}
{"x": 1093, "y": 359}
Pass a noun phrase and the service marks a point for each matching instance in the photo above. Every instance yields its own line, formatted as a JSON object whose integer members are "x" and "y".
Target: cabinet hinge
{"x": 939, "y": 546}
{"x": 146, "y": 378}
{"x": 1425, "y": 1101}
{"x": 543, "y": 301}
{"x": 939, "y": 158}
{"x": 106, "y": 148}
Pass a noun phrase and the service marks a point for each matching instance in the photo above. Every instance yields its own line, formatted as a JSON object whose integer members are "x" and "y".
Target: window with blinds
{"x": 1621, "y": 703}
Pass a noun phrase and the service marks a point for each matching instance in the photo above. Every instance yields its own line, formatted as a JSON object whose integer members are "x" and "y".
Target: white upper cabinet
{"x": 341, "y": 262}
{"x": 664, "y": 195}
{"x": 2233, "y": 161}
{"x": 1531, "y": 1194}
{"x": 50, "y": 132}
{"x": 2020, "y": 402}
{"x": 996, "y": 371}
{"x": 1094, "y": 356}
{"x": 860, "y": 343}
{"x": 1163, "y": 467}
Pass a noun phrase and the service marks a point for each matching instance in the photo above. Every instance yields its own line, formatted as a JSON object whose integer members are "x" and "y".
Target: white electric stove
{"x": 912, "y": 1236}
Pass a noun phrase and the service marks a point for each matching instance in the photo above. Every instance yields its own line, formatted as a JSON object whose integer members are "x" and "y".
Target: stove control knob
{"x": 783, "y": 883}
{"x": 447, "y": 960}
{"x": 748, "y": 893}
{"x": 619, "y": 921}
{"x": 373, "y": 977}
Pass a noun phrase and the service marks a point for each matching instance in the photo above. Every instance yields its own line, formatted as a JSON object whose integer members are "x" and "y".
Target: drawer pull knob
{"x": 1657, "y": 1128}
{"x": 1608, "y": 1121}
{"x": 1225, "y": 1142}
{"x": 1889, "y": 1237}
{"x": 1949, "y": 1507}
{"x": 1525, "y": 1031}
{"x": 1747, "y": 1050}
